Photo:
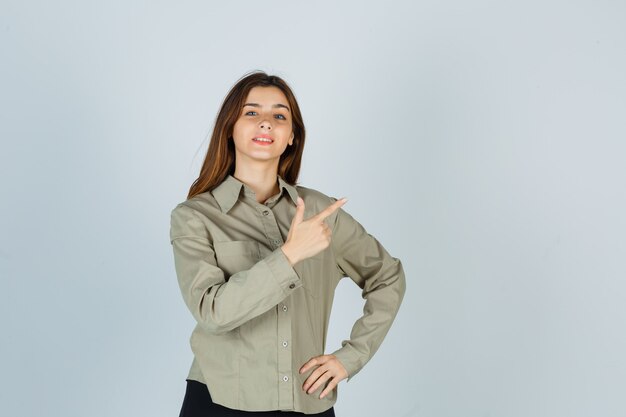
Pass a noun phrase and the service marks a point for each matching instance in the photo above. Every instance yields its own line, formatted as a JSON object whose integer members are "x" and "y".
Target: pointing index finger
{"x": 330, "y": 209}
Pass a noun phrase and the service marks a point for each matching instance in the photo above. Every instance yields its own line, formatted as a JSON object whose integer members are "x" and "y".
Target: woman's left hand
{"x": 329, "y": 367}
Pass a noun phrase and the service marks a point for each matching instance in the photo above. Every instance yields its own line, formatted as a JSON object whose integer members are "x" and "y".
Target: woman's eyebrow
{"x": 258, "y": 105}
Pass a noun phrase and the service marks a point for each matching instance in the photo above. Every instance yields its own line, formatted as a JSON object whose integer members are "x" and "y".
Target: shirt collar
{"x": 228, "y": 191}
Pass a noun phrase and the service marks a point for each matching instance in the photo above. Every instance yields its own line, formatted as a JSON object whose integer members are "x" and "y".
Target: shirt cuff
{"x": 286, "y": 277}
{"x": 349, "y": 358}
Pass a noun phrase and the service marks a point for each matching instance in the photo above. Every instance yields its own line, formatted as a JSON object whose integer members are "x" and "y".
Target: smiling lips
{"x": 263, "y": 139}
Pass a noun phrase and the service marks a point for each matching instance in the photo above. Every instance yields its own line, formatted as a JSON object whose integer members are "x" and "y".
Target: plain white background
{"x": 481, "y": 142}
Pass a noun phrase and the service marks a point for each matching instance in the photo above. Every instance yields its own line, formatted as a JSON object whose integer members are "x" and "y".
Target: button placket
{"x": 286, "y": 390}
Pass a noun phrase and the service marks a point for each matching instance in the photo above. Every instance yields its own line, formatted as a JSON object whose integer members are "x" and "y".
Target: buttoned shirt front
{"x": 258, "y": 318}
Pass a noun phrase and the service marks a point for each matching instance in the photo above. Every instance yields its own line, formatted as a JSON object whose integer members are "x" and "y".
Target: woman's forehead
{"x": 266, "y": 96}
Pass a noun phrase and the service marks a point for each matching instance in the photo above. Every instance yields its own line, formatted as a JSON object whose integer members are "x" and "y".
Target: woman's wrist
{"x": 288, "y": 254}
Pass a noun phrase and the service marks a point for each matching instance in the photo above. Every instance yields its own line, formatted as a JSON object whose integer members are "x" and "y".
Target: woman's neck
{"x": 263, "y": 181}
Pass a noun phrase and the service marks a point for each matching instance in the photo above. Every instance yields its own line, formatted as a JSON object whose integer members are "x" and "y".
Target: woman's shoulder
{"x": 204, "y": 203}
{"x": 313, "y": 194}
{"x": 316, "y": 201}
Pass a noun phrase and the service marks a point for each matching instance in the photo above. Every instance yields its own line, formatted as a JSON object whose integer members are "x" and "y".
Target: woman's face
{"x": 265, "y": 114}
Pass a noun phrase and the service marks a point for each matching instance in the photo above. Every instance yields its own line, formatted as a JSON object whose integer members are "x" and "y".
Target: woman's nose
{"x": 266, "y": 124}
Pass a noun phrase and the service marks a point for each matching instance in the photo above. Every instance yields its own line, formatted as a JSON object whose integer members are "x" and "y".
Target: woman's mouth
{"x": 263, "y": 141}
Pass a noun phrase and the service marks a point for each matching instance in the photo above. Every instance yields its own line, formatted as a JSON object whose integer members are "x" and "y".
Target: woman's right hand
{"x": 308, "y": 237}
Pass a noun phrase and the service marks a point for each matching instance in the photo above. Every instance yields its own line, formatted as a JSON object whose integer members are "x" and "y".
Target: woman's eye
{"x": 280, "y": 116}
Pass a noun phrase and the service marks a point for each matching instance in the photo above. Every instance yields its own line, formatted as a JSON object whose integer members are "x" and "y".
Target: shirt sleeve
{"x": 219, "y": 305}
{"x": 381, "y": 277}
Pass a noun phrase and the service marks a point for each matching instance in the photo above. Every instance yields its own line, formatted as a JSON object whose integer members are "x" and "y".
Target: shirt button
{"x": 285, "y": 343}
{"x": 284, "y": 308}
{"x": 266, "y": 212}
{"x": 292, "y": 286}
{"x": 285, "y": 378}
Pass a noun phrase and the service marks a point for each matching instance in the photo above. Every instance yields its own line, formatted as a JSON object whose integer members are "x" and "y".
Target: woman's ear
{"x": 291, "y": 140}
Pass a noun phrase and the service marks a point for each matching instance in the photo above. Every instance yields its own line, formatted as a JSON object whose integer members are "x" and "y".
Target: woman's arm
{"x": 381, "y": 277}
{"x": 219, "y": 305}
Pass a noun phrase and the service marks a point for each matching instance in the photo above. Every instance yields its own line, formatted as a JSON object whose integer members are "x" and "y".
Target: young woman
{"x": 258, "y": 258}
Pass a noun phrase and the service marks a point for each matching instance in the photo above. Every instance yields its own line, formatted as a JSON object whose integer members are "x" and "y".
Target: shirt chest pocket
{"x": 236, "y": 255}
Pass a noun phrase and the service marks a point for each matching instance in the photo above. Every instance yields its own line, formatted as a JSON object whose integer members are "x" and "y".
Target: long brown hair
{"x": 220, "y": 157}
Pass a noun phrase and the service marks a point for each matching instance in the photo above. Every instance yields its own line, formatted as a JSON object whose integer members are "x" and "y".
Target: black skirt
{"x": 198, "y": 403}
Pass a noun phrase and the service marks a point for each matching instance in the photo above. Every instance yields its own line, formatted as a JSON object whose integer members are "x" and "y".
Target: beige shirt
{"x": 258, "y": 318}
